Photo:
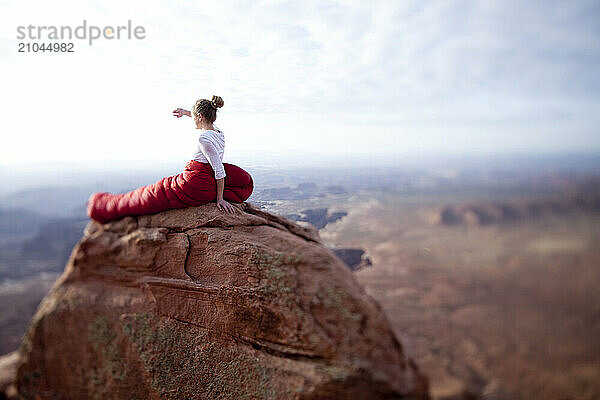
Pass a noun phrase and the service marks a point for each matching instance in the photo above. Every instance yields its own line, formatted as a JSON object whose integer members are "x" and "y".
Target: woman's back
{"x": 211, "y": 149}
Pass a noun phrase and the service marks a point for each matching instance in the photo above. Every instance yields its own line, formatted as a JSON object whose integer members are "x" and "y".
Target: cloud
{"x": 423, "y": 75}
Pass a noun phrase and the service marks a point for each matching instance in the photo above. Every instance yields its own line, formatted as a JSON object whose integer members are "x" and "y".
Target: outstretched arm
{"x": 180, "y": 112}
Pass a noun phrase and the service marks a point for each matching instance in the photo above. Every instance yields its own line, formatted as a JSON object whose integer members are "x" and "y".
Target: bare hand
{"x": 180, "y": 112}
{"x": 224, "y": 205}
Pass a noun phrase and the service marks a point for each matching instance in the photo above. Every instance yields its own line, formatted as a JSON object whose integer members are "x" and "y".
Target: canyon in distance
{"x": 488, "y": 277}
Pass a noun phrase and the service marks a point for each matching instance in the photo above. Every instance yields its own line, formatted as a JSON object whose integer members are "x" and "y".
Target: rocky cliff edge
{"x": 199, "y": 304}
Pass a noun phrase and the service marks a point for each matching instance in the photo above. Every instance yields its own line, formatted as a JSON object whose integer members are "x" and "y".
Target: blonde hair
{"x": 207, "y": 108}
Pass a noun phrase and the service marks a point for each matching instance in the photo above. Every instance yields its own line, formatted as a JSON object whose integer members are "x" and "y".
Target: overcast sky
{"x": 298, "y": 78}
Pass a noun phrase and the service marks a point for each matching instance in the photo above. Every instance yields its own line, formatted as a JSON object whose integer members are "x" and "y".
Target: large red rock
{"x": 199, "y": 304}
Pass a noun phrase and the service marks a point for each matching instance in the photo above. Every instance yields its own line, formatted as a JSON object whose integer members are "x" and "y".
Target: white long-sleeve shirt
{"x": 211, "y": 147}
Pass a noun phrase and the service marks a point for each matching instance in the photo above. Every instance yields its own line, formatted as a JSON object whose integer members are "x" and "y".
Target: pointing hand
{"x": 180, "y": 112}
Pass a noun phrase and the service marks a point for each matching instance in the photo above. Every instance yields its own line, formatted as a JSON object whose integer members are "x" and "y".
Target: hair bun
{"x": 217, "y": 102}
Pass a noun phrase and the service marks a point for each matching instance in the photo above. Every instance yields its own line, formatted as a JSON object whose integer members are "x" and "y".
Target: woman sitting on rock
{"x": 205, "y": 178}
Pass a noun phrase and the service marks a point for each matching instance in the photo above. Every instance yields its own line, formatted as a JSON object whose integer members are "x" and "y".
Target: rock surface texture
{"x": 199, "y": 304}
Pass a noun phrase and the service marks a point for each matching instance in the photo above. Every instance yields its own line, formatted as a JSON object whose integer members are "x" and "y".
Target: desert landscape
{"x": 502, "y": 310}
{"x": 413, "y": 189}
{"x": 492, "y": 288}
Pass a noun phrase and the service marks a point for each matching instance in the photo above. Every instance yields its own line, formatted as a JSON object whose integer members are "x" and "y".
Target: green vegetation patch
{"x": 275, "y": 268}
{"x": 103, "y": 339}
{"x": 336, "y": 298}
{"x": 183, "y": 362}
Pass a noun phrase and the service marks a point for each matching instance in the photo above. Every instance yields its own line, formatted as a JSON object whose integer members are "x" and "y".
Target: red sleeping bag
{"x": 195, "y": 186}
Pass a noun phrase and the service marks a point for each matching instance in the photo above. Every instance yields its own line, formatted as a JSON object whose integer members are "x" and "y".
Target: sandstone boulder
{"x": 199, "y": 304}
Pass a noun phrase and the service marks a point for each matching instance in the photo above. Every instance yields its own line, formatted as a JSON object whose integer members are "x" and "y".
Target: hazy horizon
{"x": 310, "y": 159}
{"x": 24, "y": 175}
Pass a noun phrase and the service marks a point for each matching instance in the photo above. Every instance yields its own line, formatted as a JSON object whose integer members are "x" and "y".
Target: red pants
{"x": 195, "y": 186}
